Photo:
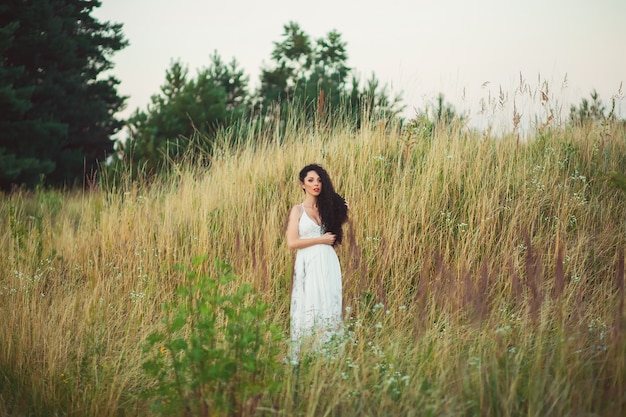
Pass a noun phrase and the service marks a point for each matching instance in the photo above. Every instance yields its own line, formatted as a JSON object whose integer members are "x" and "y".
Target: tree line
{"x": 58, "y": 106}
{"x": 310, "y": 75}
{"x": 58, "y": 101}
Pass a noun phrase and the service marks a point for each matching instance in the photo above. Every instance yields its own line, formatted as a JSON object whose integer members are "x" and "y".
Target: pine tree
{"x": 17, "y": 161}
{"x": 53, "y": 59}
{"x": 187, "y": 108}
{"x": 315, "y": 75}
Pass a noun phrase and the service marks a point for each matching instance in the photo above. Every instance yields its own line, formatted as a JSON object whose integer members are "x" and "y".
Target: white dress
{"x": 316, "y": 308}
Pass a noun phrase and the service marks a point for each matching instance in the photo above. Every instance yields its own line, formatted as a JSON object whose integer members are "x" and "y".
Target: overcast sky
{"x": 465, "y": 49}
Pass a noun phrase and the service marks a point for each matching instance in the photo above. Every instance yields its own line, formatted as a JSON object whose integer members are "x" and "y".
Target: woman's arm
{"x": 294, "y": 242}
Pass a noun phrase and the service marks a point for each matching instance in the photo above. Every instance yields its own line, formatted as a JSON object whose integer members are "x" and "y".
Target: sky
{"x": 472, "y": 51}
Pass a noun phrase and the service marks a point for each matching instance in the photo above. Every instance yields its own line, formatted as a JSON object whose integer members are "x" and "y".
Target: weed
{"x": 215, "y": 353}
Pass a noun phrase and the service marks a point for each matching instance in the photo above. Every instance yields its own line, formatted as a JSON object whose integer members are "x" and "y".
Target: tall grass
{"x": 482, "y": 275}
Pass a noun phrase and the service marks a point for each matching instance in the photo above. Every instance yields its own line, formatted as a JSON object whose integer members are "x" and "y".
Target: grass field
{"x": 483, "y": 276}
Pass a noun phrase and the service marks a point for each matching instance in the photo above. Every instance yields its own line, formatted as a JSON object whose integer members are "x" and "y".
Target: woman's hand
{"x": 328, "y": 238}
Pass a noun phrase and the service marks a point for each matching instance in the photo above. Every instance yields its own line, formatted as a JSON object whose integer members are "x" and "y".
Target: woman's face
{"x": 312, "y": 183}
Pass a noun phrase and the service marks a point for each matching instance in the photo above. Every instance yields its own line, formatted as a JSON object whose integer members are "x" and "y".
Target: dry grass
{"x": 484, "y": 276}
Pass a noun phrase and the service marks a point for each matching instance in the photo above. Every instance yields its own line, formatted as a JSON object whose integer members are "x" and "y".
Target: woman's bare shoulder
{"x": 296, "y": 209}
{"x": 295, "y": 212}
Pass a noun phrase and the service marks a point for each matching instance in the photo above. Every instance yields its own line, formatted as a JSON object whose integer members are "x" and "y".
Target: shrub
{"x": 214, "y": 354}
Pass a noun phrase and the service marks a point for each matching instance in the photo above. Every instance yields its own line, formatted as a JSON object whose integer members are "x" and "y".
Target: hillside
{"x": 482, "y": 275}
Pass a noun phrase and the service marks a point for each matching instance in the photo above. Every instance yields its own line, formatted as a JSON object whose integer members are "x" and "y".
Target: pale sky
{"x": 465, "y": 49}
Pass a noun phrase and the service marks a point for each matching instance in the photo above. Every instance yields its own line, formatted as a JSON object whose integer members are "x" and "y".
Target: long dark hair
{"x": 331, "y": 206}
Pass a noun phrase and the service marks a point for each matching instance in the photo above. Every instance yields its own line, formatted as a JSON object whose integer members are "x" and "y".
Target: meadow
{"x": 483, "y": 276}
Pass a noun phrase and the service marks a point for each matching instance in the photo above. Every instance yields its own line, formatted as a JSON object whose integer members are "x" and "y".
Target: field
{"x": 483, "y": 276}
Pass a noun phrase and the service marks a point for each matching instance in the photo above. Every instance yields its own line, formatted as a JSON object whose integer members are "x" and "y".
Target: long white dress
{"x": 316, "y": 307}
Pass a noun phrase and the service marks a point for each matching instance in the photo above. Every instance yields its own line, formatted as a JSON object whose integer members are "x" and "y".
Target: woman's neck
{"x": 310, "y": 201}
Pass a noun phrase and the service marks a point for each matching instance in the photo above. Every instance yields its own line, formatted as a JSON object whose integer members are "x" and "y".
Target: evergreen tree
{"x": 440, "y": 115}
{"x": 233, "y": 80}
{"x": 590, "y": 111}
{"x": 293, "y": 58}
{"x": 17, "y": 161}
{"x": 186, "y": 108}
{"x": 315, "y": 74}
{"x": 61, "y": 108}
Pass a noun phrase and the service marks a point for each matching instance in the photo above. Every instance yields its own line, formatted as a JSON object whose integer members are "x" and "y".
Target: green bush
{"x": 215, "y": 353}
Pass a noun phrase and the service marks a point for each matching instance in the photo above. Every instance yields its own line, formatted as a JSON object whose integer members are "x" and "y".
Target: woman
{"x": 313, "y": 229}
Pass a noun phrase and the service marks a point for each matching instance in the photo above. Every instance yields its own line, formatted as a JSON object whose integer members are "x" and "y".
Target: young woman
{"x": 313, "y": 229}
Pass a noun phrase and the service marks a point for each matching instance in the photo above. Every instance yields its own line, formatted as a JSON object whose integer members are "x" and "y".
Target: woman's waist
{"x": 317, "y": 248}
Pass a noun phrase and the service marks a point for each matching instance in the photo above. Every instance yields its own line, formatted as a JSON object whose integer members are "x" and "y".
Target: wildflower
{"x": 405, "y": 379}
{"x": 136, "y": 296}
{"x": 580, "y": 197}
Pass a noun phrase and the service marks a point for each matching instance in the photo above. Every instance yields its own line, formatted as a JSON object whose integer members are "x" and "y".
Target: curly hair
{"x": 331, "y": 206}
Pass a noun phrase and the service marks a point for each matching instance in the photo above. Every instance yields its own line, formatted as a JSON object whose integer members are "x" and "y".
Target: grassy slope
{"x": 480, "y": 274}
